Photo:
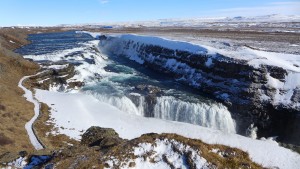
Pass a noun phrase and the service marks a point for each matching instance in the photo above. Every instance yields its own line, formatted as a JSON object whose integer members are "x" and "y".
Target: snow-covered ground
{"x": 74, "y": 112}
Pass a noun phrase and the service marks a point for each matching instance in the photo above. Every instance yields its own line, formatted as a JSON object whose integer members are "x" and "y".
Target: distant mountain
{"x": 196, "y": 22}
{"x": 267, "y": 18}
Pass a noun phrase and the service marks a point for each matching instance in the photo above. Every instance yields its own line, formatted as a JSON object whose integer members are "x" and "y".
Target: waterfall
{"x": 214, "y": 116}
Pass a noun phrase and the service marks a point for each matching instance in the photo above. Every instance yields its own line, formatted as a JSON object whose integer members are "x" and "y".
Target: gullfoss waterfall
{"x": 125, "y": 84}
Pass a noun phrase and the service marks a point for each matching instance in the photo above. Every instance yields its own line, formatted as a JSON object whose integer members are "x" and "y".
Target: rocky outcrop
{"x": 245, "y": 89}
{"x": 152, "y": 149}
{"x": 56, "y": 77}
{"x": 102, "y": 137}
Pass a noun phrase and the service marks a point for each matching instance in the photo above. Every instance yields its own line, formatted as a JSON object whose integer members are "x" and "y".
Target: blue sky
{"x": 53, "y": 12}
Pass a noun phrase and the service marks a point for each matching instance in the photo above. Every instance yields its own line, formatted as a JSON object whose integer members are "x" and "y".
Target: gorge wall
{"x": 267, "y": 96}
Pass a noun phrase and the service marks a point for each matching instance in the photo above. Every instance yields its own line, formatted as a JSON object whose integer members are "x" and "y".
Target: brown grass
{"x": 5, "y": 140}
{"x": 15, "y": 111}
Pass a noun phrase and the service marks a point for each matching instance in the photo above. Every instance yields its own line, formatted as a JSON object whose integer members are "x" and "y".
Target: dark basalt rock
{"x": 75, "y": 84}
{"x": 148, "y": 89}
{"x": 296, "y": 95}
{"x": 23, "y": 153}
{"x": 277, "y": 72}
{"x": 101, "y": 37}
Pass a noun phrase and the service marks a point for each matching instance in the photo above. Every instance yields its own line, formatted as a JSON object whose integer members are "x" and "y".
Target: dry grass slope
{"x": 15, "y": 111}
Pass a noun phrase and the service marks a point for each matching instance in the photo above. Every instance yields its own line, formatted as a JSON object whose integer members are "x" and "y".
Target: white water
{"x": 122, "y": 103}
{"x": 214, "y": 116}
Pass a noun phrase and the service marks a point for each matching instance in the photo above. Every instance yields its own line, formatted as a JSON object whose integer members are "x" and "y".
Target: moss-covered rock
{"x": 94, "y": 135}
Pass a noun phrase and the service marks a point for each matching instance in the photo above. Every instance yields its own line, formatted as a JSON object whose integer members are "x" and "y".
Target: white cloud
{"x": 286, "y": 8}
{"x": 104, "y": 1}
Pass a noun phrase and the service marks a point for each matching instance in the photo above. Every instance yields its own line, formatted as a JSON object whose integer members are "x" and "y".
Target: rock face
{"x": 248, "y": 91}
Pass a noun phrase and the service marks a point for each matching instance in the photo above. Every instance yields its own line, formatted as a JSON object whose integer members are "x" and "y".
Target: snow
{"x": 76, "y": 111}
{"x": 28, "y": 126}
{"x": 209, "y": 62}
{"x": 286, "y": 61}
{"x": 12, "y": 41}
{"x": 94, "y": 35}
{"x": 57, "y": 66}
{"x": 20, "y": 162}
{"x": 164, "y": 149}
{"x": 291, "y": 82}
{"x": 163, "y": 42}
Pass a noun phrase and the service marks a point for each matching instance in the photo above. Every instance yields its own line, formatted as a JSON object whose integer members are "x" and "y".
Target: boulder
{"x": 94, "y": 135}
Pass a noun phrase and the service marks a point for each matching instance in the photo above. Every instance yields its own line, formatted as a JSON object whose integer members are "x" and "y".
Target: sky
{"x": 55, "y": 12}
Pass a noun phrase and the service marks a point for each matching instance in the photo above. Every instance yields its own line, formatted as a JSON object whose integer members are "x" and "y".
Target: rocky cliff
{"x": 255, "y": 92}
